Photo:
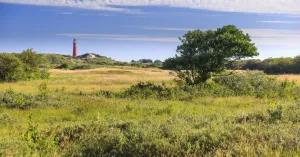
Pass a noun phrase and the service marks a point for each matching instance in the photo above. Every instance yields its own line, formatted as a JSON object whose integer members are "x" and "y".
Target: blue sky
{"x": 128, "y": 30}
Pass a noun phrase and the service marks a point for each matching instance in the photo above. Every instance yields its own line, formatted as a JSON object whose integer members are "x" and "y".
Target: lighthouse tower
{"x": 74, "y": 48}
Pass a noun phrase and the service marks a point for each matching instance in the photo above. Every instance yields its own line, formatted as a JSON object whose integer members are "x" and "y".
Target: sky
{"x": 128, "y": 30}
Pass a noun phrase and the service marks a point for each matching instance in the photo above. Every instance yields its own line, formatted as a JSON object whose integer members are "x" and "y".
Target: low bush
{"x": 12, "y": 99}
{"x": 178, "y": 136}
{"x": 81, "y": 67}
{"x": 64, "y": 66}
{"x": 258, "y": 84}
{"x": 149, "y": 90}
{"x": 255, "y": 84}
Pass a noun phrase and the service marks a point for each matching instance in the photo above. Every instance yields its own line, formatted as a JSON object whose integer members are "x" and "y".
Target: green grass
{"x": 86, "y": 125}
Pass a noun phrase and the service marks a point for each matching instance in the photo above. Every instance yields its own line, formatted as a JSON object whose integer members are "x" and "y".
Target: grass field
{"x": 113, "y": 78}
{"x": 212, "y": 126}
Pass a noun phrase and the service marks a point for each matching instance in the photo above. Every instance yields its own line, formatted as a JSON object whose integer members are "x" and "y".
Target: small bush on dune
{"x": 81, "y": 67}
{"x": 12, "y": 99}
{"x": 149, "y": 90}
{"x": 256, "y": 83}
{"x": 64, "y": 66}
{"x": 250, "y": 83}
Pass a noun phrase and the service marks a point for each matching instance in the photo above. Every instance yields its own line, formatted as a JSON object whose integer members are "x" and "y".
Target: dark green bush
{"x": 64, "y": 66}
{"x": 275, "y": 114}
{"x": 81, "y": 67}
{"x": 148, "y": 90}
{"x": 11, "y": 68}
{"x": 23, "y": 66}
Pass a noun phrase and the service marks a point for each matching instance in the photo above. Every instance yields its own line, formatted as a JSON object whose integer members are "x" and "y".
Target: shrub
{"x": 12, "y": 99}
{"x": 275, "y": 114}
{"x": 147, "y": 90}
{"x": 254, "y": 83}
{"x": 11, "y": 68}
{"x": 38, "y": 143}
{"x": 24, "y": 66}
{"x": 64, "y": 66}
{"x": 78, "y": 67}
{"x": 43, "y": 91}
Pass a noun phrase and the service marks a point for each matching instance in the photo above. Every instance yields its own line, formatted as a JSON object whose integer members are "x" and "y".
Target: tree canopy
{"x": 204, "y": 53}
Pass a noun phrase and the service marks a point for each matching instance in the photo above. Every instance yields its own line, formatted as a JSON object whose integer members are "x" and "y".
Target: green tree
{"x": 203, "y": 54}
{"x": 11, "y": 68}
{"x": 297, "y": 64}
{"x": 31, "y": 60}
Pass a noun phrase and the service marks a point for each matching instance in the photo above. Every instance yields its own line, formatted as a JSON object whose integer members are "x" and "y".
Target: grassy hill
{"x": 87, "y": 61}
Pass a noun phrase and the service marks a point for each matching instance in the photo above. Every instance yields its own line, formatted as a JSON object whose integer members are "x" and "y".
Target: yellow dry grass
{"x": 108, "y": 78}
{"x": 289, "y": 78}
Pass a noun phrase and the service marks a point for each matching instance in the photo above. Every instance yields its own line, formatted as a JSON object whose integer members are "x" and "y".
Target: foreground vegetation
{"x": 127, "y": 111}
{"x": 70, "y": 115}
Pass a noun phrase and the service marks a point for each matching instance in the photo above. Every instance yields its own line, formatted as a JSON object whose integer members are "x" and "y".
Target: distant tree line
{"x": 23, "y": 66}
{"x": 270, "y": 66}
{"x": 146, "y": 61}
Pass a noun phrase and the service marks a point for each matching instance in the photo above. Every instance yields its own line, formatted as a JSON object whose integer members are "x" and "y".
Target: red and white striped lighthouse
{"x": 74, "y": 48}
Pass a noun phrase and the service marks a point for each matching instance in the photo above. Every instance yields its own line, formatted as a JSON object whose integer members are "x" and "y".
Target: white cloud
{"x": 66, "y": 13}
{"x": 293, "y": 16}
{"x": 249, "y": 6}
{"x": 284, "y": 22}
{"x": 121, "y": 37}
{"x": 168, "y": 28}
{"x": 266, "y": 37}
{"x": 276, "y": 41}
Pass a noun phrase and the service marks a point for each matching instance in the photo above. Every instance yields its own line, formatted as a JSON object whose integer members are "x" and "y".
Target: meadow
{"x": 67, "y": 118}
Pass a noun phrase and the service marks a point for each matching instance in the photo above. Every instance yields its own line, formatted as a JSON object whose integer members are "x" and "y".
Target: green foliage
{"x": 38, "y": 143}
{"x": 24, "y": 66}
{"x": 149, "y": 90}
{"x": 31, "y": 60}
{"x": 143, "y": 90}
{"x": 43, "y": 90}
{"x": 254, "y": 83}
{"x": 275, "y": 114}
{"x": 204, "y": 53}
{"x": 249, "y": 83}
{"x": 180, "y": 135}
{"x": 11, "y": 68}
{"x": 81, "y": 67}
{"x": 64, "y": 66}
{"x": 11, "y": 99}
{"x": 271, "y": 65}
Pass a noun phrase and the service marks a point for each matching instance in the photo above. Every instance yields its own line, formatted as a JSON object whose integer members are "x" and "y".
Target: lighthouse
{"x": 74, "y": 48}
